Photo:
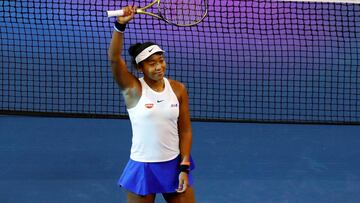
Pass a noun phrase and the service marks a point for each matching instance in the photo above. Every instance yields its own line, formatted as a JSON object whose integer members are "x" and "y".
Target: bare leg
{"x": 186, "y": 197}
{"x": 134, "y": 198}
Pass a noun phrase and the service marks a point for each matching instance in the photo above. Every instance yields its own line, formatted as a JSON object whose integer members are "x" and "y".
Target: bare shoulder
{"x": 178, "y": 87}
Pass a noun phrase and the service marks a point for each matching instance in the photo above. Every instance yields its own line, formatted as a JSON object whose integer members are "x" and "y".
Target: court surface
{"x": 58, "y": 160}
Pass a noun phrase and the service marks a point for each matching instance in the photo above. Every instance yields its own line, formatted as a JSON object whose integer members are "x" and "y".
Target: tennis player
{"x": 158, "y": 108}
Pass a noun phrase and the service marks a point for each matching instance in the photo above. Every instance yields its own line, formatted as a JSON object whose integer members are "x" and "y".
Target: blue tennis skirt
{"x": 144, "y": 178}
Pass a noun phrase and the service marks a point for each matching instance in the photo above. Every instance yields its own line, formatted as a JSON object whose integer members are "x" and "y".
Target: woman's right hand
{"x": 129, "y": 13}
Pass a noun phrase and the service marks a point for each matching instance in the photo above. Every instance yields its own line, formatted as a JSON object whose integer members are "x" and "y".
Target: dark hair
{"x": 136, "y": 49}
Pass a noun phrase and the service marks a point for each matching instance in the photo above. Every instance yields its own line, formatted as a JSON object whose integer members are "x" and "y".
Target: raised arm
{"x": 127, "y": 82}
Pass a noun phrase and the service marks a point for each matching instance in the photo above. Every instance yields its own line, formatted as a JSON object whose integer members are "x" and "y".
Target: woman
{"x": 158, "y": 108}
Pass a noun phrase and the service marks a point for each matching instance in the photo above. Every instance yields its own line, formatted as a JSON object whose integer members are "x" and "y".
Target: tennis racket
{"x": 175, "y": 12}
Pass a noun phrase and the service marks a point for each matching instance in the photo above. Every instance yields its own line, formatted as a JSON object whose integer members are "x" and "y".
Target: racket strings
{"x": 183, "y": 12}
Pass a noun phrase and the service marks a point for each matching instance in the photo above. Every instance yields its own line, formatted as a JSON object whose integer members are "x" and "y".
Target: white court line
{"x": 326, "y": 1}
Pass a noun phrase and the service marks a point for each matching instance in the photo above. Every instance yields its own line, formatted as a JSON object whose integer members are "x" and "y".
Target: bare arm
{"x": 127, "y": 82}
{"x": 120, "y": 71}
{"x": 185, "y": 134}
{"x": 184, "y": 125}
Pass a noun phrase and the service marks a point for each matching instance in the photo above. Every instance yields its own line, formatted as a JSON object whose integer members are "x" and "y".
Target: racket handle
{"x": 115, "y": 13}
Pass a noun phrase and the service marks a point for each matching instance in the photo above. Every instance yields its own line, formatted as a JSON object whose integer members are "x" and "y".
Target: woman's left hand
{"x": 183, "y": 182}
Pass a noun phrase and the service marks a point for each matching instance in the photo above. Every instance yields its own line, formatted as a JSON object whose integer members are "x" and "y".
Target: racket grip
{"x": 115, "y": 13}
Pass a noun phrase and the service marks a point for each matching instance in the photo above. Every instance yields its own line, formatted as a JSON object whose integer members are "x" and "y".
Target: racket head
{"x": 183, "y": 13}
{"x": 142, "y": 10}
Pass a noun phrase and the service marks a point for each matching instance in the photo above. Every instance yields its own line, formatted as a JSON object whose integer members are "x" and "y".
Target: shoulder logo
{"x": 174, "y": 105}
{"x": 149, "y": 105}
{"x": 159, "y": 101}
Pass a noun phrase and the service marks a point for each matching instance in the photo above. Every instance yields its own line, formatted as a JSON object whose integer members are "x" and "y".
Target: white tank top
{"x": 154, "y": 122}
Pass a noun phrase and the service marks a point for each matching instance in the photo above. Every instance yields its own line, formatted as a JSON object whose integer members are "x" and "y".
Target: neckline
{"x": 156, "y": 92}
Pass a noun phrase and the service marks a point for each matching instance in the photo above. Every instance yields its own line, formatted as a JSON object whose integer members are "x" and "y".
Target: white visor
{"x": 146, "y": 53}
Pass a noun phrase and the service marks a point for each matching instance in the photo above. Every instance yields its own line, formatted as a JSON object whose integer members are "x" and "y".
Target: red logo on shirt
{"x": 149, "y": 106}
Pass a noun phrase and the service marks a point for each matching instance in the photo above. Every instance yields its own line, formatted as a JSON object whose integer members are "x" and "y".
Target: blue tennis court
{"x": 79, "y": 160}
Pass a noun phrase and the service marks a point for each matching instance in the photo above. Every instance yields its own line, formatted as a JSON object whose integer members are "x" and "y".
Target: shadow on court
{"x": 51, "y": 160}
